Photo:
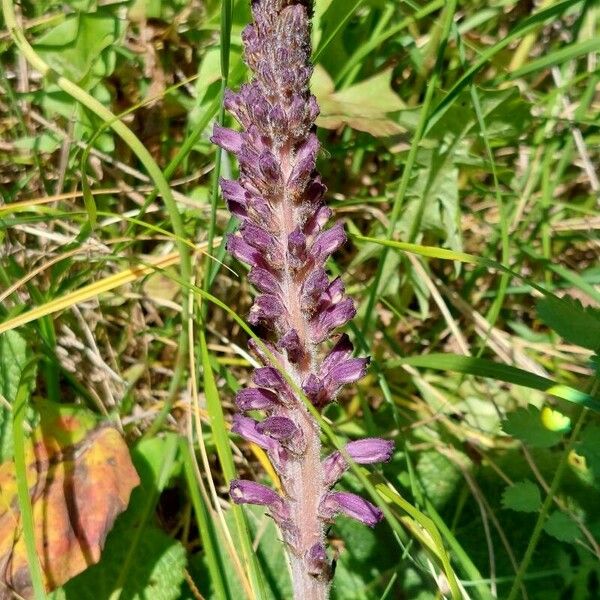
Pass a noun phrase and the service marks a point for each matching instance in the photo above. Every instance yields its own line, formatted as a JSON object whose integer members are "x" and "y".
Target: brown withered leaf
{"x": 80, "y": 479}
{"x": 364, "y": 106}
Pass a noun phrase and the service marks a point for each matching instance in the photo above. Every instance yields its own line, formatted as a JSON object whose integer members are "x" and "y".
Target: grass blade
{"x": 19, "y": 409}
{"x": 487, "y": 368}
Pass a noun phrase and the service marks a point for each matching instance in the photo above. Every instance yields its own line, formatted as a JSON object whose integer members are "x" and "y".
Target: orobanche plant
{"x": 285, "y": 239}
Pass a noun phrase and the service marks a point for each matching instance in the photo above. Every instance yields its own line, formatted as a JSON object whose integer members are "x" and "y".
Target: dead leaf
{"x": 364, "y": 106}
{"x": 80, "y": 478}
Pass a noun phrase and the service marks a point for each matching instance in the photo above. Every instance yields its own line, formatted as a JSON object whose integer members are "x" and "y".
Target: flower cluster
{"x": 284, "y": 239}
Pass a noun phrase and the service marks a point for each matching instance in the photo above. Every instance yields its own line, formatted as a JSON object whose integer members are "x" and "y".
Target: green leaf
{"x": 46, "y": 142}
{"x": 13, "y": 358}
{"x": 526, "y": 425}
{"x": 157, "y": 571}
{"x": 438, "y": 476}
{"x": 560, "y": 526}
{"x": 573, "y": 322}
{"x": 523, "y": 496}
{"x": 147, "y": 562}
{"x": 360, "y": 564}
{"x": 75, "y": 45}
{"x": 569, "y": 52}
{"x": 435, "y": 192}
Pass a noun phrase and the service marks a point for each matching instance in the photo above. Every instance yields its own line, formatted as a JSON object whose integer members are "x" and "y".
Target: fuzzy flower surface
{"x": 286, "y": 238}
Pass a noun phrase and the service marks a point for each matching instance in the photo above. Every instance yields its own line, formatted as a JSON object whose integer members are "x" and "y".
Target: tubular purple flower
{"x": 248, "y": 429}
{"x": 256, "y": 399}
{"x": 352, "y": 506}
{"x": 284, "y": 238}
{"x": 250, "y": 492}
{"x": 364, "y": 452}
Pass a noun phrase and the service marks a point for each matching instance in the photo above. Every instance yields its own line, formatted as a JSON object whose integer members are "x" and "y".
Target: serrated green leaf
{"x": 573, "y": 322}
{"x": 523, "y": 496}
{"x": 505, "y": 113}
{"x": 438, "y": 476}
{"x": 526, "y": 425}
{"x": 560, "y": 526}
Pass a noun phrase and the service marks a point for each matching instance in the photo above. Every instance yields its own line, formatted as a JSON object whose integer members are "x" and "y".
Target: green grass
{"x": 466, "y": 172}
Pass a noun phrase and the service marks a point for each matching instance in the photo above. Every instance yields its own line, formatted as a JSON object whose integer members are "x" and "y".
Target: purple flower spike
{"x": 264, "y": 281}
{"x": 292, "y": 344}
{"x": 348, "y": 371}
{"x": 332, "y": 318}
{"x": 352, "y": 506}
{"x": 267, "y": 309}
{"x": 285, "y": 239}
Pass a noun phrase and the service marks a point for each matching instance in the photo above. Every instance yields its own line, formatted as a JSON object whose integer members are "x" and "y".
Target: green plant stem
{"x": 210, "y": 544}
{"x": 539, "y": 526}
{"x": 221, "y": 439}
{"x": 20, "y": 407}
{"x": 494, "y": 311}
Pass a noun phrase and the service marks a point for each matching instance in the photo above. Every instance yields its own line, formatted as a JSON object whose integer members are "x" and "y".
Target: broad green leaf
{"x": 361, "y": 563}
{"x": 505, "y": 113}
{"x": 523, "y": 496}
{"x": 438, "y": 476}
{"x": 526, "y": 425}
{"x": 573, "y": 322}
{"x": 73, "y": 46}
{"x": 157, "y": 571}
{"x": 435, "y": 191}
{"x": 153, "y": 562}
{"x": 560, "y": 526}
{"x": 46, "y": 142}
{"x": 83, "y": 5}
{"x": 13, "y": 357}
{"x": 155, "y": 9}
